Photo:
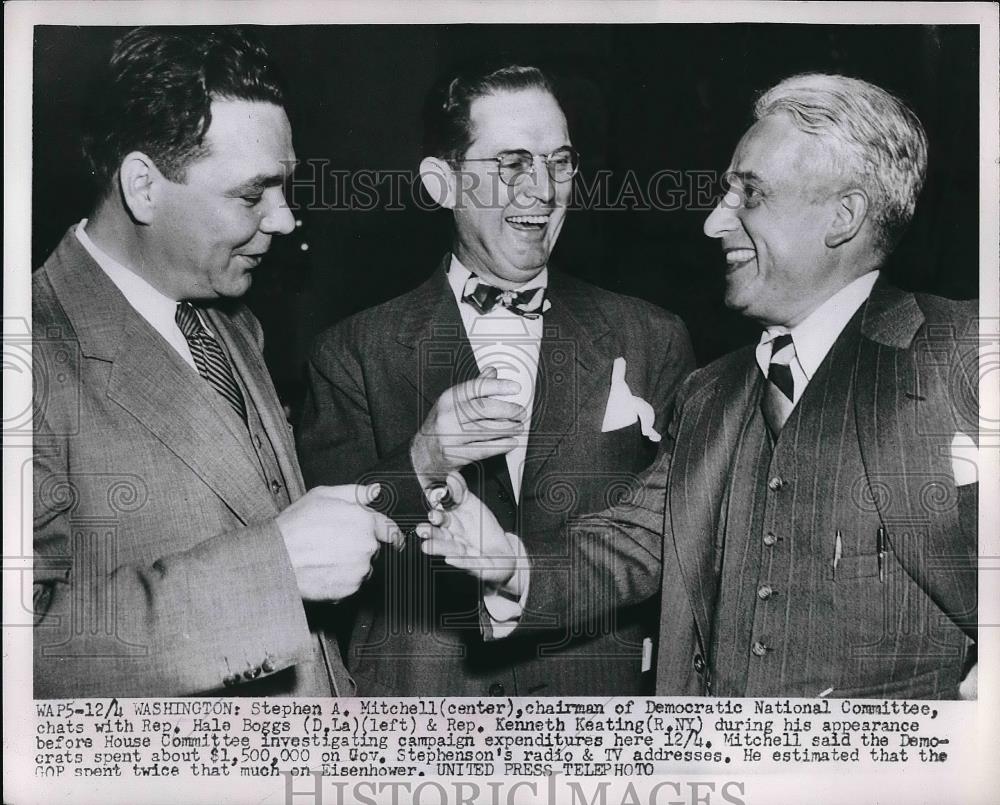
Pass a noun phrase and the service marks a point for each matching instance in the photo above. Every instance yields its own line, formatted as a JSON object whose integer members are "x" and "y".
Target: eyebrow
{"x": 263, "y": 180}
{"x": 745, "y": 176}
{"x": 258, "y": 182}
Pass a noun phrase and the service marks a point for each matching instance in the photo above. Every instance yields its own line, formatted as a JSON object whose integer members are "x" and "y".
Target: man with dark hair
{"x": 821, "y": 487}
{"x": 174, "y": 548}
{"x": 546, "y": 392}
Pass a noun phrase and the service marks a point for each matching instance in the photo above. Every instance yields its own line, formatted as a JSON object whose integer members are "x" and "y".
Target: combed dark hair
{"x": 447, "y": 128}
{"x": 156, "y": 92}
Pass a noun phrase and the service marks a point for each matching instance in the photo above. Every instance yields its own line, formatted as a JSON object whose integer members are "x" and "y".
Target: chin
{"x": 236, "y": 290}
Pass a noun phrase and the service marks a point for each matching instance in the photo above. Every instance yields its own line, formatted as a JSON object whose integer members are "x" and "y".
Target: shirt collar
{"x": 815, "y": 334}
{"x": 458, "y": 275}
{"x": 146, "y": 299}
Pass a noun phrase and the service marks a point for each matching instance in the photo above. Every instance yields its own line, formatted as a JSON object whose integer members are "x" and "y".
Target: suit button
{"x": 502, "y": 494}
{"x": 760, "y": 649}
{"x": 775, "y": 483}
{"x": 496, "y": 689}
{"x": 770, "y": 539}
{"x": 699, "y": 664}
{"x": 251, "y": 673}
{"x": 267, "y": 666}
{"x": 276, "y": 486}
{"x": 256, "y": 440}
{"x": 764, "y": 592}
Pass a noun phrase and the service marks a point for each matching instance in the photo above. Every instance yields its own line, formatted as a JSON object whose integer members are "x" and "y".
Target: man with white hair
{"x": 820, "y": 524}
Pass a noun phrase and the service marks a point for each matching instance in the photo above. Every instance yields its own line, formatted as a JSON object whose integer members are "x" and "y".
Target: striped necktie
{"x": 209, "y": 358}
{"x": 779, "y": 390}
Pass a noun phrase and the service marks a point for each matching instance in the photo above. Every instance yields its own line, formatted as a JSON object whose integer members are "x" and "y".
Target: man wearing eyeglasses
{"x": 547, "y": 393}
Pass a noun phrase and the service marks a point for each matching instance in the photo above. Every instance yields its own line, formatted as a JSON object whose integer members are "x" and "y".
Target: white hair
{"x": 872, "y": 136}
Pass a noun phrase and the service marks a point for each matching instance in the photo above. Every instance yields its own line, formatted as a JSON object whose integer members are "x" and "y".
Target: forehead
{"x": 775, "y": 149}
{"x": 530, "y": 119}
{"x": 247, "y": 138}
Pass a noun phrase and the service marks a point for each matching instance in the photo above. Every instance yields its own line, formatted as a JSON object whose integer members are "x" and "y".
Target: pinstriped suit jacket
{"x": 159, "y": 569}
{"x": 915, "y": 386}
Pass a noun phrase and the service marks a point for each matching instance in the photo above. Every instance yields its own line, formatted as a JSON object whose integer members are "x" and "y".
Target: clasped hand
{"x": 467, "y": 423}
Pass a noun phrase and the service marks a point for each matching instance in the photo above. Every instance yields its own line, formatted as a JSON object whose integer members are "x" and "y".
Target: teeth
{"x": 529, "y": 219}
{"x": 740, "y": 255}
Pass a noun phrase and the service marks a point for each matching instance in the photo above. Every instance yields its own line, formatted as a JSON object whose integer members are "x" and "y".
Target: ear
{"x": 139, "y": 178}
{"x": 439, "y": 181}
{"x": 850, "y": 215}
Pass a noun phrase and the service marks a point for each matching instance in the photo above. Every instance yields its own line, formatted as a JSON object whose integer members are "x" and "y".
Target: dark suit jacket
{"x": 912, "y": 377}
{"x": 159, "y": 569}
{"x": 374, "y": 377}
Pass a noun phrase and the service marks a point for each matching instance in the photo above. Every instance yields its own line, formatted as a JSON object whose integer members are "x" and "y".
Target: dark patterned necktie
{"x": 209, "y": 358}
{"x": 779, "y": 390}
{"x": 530, "y": 303}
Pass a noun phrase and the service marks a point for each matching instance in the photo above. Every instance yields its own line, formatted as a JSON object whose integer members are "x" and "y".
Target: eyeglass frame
{"x": 566, "y": 149}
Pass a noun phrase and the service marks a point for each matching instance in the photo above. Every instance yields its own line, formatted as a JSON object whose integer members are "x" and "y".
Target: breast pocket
{"x": 623, "y": 449}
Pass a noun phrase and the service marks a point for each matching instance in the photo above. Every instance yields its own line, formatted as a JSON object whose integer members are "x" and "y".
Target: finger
{"x": 487, "y": 449}
{"x": 475, "y": 430}
{"x": 493, "y": 408}
{"x": 443, "y": 547}
{"x": 388, "y": 533}
{"x": 488, "y": 373}
{"x": 439, "y": 497}
{"x": 457, "y": 487}
{"x": 482, "y": 387}
{"x": 438, "y": 518}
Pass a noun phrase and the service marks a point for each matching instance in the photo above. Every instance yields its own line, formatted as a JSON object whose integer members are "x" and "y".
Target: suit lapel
{"x": 885, "y": 383}
{"x": 152, "y": 382}
{"x": 574, "y": 374}
{"x": 699, "y": 476}
{"x": 434, "y": 353}
{"x": 249, "y": 365}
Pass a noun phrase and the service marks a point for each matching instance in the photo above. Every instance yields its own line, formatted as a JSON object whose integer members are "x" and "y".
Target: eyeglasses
{"x": 562, "y": 164}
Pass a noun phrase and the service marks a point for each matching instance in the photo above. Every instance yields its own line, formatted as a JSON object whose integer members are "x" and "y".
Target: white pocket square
{"x": 624, "y": 408}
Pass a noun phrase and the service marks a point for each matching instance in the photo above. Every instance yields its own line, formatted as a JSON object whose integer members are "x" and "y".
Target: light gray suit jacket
{"x": 159, "y": 569}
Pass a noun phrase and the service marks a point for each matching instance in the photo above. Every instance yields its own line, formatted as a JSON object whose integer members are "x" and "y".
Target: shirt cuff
{"x": 505, "y": 605}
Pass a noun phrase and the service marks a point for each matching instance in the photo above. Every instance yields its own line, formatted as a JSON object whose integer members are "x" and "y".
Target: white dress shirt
{"x": 815, "y": 334}
{"x": 508, "y": 342}
{"x": 512, "y": 344}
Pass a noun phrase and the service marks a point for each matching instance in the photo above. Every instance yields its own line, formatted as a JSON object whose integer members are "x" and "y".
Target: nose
{"x": 538, "y": 184}
{"x": 277, "y": 219}
{"x": 722, "y": 219}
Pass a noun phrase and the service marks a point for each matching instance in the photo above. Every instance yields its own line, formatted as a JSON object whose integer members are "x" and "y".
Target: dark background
{"x": 640, "y": 99}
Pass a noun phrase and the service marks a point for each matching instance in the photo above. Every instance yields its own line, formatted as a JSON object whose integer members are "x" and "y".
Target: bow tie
{"x": 530, "y": 303}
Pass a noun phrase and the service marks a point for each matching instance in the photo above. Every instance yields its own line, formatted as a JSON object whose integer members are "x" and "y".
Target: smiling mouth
{"x": 528, "y": 223}
{"x": 737, "y": 258}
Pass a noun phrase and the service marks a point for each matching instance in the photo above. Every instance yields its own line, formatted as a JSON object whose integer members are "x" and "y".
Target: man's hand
{"x": 466, "y": 424}
{"x": 332, "y": 536}
{"x": 468, "y": 536}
